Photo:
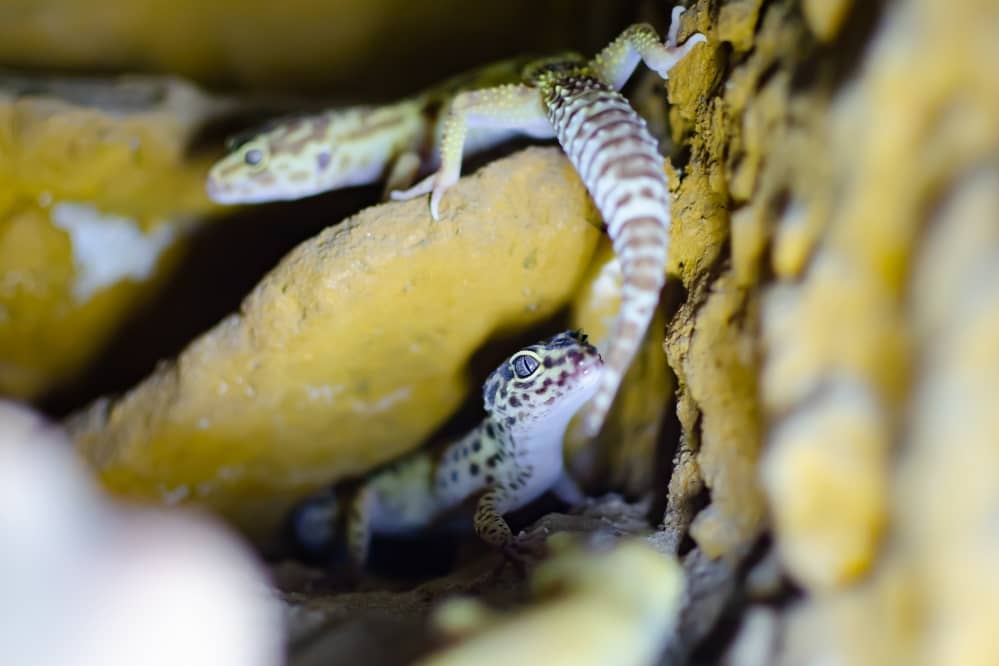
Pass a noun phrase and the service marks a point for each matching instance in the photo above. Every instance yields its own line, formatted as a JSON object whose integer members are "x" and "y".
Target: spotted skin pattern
{"x": 301, "y": 156}
{"x": 578, "y": 102}
{"x": 513, "y": 456}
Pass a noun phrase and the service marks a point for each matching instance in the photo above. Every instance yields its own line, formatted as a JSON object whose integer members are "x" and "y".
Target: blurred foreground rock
{"x": 98, "y": 196}
{"x": 88, "y": 583}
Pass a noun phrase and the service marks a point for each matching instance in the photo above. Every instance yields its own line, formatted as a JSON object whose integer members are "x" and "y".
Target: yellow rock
{"x": 879, "y": 341}
{"x": 720, "y": 370}
{"x": 96, "y": 196}
{"x": 352, "y": 350}
{"x": 826, "y": 17}
{"x": 614, "y": 607}
{"x": 829, "y": 454}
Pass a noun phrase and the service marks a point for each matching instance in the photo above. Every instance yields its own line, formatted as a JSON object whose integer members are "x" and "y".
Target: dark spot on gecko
{"x": 489, "y": 479}
{"x": 514, "y": 401}
{"x": 477, "y": 445}
{"x": 490, "y": 430}
{"x": 454, "y": 476}
{"x": 473, "y": 469}
{"x": 511, "y": 421}
{"x": 464, "y": 452}
{"x": 323, "y": 160}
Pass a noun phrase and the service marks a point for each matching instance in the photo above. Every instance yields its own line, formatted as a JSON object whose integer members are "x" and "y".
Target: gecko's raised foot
{"x": 672, "y": 33}
{"x": 674, "y": 26}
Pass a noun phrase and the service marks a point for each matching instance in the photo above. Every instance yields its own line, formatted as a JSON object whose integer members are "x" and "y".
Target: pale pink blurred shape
{"x": 86, "y": 582}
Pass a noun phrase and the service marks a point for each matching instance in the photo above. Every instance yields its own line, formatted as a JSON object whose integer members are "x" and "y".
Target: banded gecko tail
{"x": 620, "y": 165}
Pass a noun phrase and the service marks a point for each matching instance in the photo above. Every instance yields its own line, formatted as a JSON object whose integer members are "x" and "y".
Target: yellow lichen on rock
{"x": 96, "y": 196}
{"x": 614, "y": 607}
{"x": 352, "y": 350}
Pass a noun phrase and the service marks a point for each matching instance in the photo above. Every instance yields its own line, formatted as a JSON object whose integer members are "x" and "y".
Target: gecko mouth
{"x": 588, "y": 368}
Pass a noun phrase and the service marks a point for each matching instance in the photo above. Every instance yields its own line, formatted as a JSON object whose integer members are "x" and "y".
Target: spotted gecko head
{"x": 290, "y": 159}
{"x": 554, "y": 377}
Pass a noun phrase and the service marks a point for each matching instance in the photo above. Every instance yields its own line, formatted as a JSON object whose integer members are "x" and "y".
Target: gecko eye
{"x": 253, "y": 156}
{"x": 525, "y": 364}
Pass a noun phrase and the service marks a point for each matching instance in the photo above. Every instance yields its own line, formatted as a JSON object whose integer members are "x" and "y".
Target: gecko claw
{"x": 435, "y": 201}
{"x": 430, "y": 185}
{"x": 423, "y": 187}
{"x": 525, "y": 549}
{"x": 674, "y": 26}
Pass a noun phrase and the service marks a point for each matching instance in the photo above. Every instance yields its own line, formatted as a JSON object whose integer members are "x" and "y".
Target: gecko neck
{"x": 540, "y": 441}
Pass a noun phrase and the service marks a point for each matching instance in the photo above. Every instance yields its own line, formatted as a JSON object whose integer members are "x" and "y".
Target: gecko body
{"x": 512, "y": 457}
{"x": 304, "y": 155}
{"x": 577, "y": 101}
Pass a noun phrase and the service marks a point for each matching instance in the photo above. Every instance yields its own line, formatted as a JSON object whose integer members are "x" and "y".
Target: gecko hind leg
{"x": 401, "y": 174}
{"x": 507, "y": 107}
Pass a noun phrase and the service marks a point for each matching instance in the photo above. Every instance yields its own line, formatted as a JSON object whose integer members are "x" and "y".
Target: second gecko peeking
{"x": 577, "y": 101}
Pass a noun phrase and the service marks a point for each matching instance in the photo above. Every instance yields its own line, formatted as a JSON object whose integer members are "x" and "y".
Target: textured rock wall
{"x": 834, "y": 341}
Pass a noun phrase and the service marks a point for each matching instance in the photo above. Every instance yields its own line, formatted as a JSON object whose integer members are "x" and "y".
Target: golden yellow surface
{"x": 119, "y": 153}
{"x": 352, "y": 350}
{"x": 613, "y": 607}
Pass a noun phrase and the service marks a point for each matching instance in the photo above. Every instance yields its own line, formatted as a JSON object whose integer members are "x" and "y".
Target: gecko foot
{"x": 435, "y": 184}
{"x": 423, "y": 187}
{"x": 525, "y": 549}
{"x": 676, "y": 52}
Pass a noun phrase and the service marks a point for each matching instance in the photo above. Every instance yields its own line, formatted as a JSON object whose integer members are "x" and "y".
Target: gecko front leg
{"x": 494, "y": 530}
{"x": 359, "y": 525}
{"x": 508, "y": 107}
{"x": 489, "y": 524}
{"x": 617, "y": 61}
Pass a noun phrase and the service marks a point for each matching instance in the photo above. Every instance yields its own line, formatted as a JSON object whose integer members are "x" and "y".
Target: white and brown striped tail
{"x": 620, "y": 165}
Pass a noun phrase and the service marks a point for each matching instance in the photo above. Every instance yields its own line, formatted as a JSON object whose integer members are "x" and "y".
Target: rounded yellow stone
{"x": 352, "y": 350}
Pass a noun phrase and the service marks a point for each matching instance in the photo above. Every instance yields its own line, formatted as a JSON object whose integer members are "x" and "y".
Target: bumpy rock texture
{"x": 97, "y": 198}
{"x": 352, "y": 350}
{"x": 830, "y": 324}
